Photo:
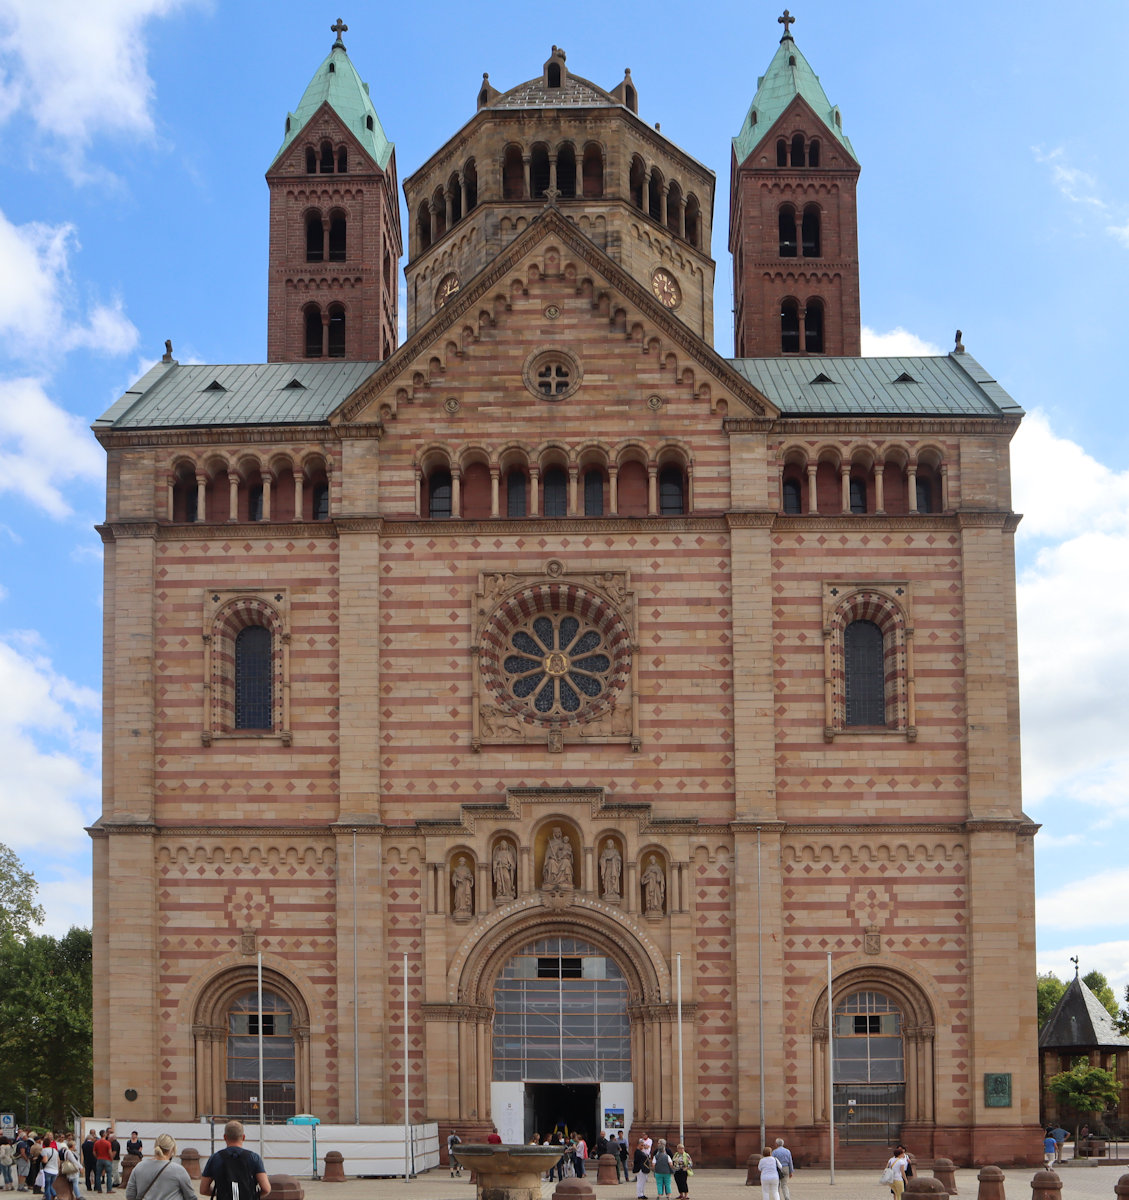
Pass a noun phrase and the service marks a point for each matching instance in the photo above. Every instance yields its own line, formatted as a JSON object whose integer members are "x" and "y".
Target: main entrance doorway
{"x": 870, "y": 1090}
{"x": 569, "y": 1107}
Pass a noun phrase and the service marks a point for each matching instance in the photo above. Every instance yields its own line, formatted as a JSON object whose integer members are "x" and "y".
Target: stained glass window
{"x": 253, "y": 708}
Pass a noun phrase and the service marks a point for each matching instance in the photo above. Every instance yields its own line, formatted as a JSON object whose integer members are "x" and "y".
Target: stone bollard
{"x": 922, "y": 1185}
{"x": 943, "y": 1170}
{"x": 334, "y": 1167}
{"x": 63, "y": 1187}
{"x": 128, "y": 1163}
{"x": 574, "y": 1189}
{"x": 605, "y": 1169}
{"x": 1045, "y": 1185}
{"x": 190, "y": 1161}
{"x": 991, "y": 1184}
{"x": 1098, "y": 1147}
{"x": 752, "y": 1174}
{"x": 1121, "y": 1188}
{"x": 286, "y": 1187}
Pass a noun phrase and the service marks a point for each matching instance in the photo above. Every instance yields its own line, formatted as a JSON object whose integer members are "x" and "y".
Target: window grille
{"x": 671, "y": 492}
{"x": 439, "y": 495}
{"x": 864, "y": 670}
{"x": 253, "y": 678}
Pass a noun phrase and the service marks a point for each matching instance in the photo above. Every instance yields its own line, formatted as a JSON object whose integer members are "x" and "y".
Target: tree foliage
{"x": 46, "y": 1025}
{"x": 1085, "y": 1090}
{"x": 18, "y": 889}
{"x": 1050, "y": 990}
{"x": 1099, "y": 985}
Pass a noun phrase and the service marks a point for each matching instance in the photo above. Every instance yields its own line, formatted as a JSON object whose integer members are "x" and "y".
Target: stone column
{"x": 297, "y": 495}
{"x": 911, "y": 484}
{"x": 652, "y": 489}
{"x": 613, "y": 490}
{"x": 456, "y": 493}
{"x": 449, "y": 200}
{"x": 201, "y": 497}
{"x": 433, "y": 209}
{"x": 689, "y": 488}
{"x": 495, "y": 478}
{"x": 232, "y": 496}
{"x": 171, "y": 495}
{"x": 813, "y": 494}
{"x": 534, "y": 491}
{"x": 879, "y": 493}
{"x": 573, "y": 489}
{"x": 664, "y": 198}
{"x": 462, "y": 191}
{"x": 845, "y": 480}
{"x": 553, "y": 172}
{"x": 267, "y": 480}
{"x": 525, "y": 163}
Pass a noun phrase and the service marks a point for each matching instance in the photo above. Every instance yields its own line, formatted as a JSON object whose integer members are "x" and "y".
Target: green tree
{"x": 1050, "y": 990}
{"x": 18, "y": 889}
{"x": 1099, "y": 985}
{"x": 1087, "y": 1091}
{"x": 1123, "y": 1016}
{"x": 46, "y": 1025}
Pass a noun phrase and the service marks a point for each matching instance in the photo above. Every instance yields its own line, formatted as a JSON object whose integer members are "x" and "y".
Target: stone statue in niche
{"x": 557, "y": 872}
{"x": 504, "y": 869}
{"x": 611, "y": 871}
{"x": 462, "y": 889}
{"x": 654, "y": 888}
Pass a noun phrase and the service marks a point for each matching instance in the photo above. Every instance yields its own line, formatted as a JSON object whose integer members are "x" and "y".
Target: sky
{"x": 994, "y": 197}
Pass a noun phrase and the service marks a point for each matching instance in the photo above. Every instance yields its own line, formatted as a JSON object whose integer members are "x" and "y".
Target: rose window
{"x": 556, "y": 653}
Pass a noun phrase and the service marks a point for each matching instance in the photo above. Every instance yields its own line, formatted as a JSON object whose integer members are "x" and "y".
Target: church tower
{"x": 793, "y": 227}
{"x": 334, "y": 224}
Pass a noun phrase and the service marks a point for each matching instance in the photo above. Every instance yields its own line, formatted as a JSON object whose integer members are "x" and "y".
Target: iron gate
{"x": 870, "y": 1112}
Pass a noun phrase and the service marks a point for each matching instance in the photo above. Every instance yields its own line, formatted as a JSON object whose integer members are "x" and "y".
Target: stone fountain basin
{"x": 507, "y": 1172}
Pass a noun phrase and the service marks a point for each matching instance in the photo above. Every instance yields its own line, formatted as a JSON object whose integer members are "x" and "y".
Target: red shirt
{"x": 103, "y": 1149}
{"x": 494, "y": 1139}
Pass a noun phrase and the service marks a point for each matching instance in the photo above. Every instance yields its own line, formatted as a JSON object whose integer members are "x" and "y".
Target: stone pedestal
{"x": 574, "y": 1189}
{"x": 1045, "y": 1185}
{"x": 334, "y": 1167}
{"x": 605, "y": 1169}
{"x": 943, "y": 1170}
{"x": 63, "y": 1187}
{"x": 286, "y": 1187}
{"x": 128, "y": 1163}
{"x": 922, "y": 1185}
{"x": 1121, "y": 1188}
{"x": 991, "y": 1184}
{"x": 752, "y": 1173}
{"x": 190, "y": 1161}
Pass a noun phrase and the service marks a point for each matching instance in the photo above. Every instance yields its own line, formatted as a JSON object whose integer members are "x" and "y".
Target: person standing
{"x": 580, "y": 1155}
{"x": 664, "y": 1168}
{"x": 899, "y": 1164}
{"x": 641, "y": 1165}
{"x": 787, "y": 1167}
{"x": 769, "y": 1169}
{"x": 103, "y": 1163}
{"x": 683, "y": 1165}
{"x": 71, "y": 1166}
{"x": 234, "y": 1173}
{"x": 1050, "y": 1148}
{"x": 88, "y": 1160}
{"x": 1060, "y": 1135}
{"x": 133, "y": 1146}
{"x": 50, "y": 1158}
{"x": 116, "y": 1155}
{"x": 454, "y": 1140}
{"x": 623, "y": 1152}
{"x": 159, "y": 1178}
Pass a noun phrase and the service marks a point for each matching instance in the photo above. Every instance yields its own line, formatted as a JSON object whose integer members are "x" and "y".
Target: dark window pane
{"x": 593, "y": 494}
{"x": 792, "y": 496}
{"x": 858, "y": 495}
{"x": 253, "y": 678}
{"x": 864, "y": 668}
{"x": 515, "y": 494}
{"x": 321, "y": 501}
{"x": 439, "y": 495}
{"x": 924, "y": 495}
{"x": 671, "y": 498}
{"x": 556, "y": 492}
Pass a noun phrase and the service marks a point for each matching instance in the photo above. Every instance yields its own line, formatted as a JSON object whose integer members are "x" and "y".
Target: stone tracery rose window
{"x": 556, "y": 654}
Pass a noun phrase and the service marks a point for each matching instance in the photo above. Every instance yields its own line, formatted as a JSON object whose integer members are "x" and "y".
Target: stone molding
{"x": 864, "y": 424}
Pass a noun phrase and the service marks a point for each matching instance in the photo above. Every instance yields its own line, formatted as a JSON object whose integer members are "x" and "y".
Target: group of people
{"x": 1053, "y": 1142}
{"x": 654, "y": 1157}
{"x": 776, "y": 1169}
{"x": 36, "y": 1161}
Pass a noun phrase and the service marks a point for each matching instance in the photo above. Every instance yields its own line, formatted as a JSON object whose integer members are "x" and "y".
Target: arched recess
{"x": 918, "y": 1031}
{"x": 211, "y": 1023}
{"x": 463, "y": 1027}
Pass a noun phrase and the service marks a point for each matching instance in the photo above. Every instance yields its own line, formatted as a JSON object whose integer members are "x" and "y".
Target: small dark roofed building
{"x": 1081, "y": 1027}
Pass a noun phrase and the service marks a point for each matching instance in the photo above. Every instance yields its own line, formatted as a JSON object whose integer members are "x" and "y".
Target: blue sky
{"x": 993, "y": 197}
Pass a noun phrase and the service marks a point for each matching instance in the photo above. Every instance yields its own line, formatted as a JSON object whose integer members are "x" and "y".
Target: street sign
{"x": 8, "y": 1125}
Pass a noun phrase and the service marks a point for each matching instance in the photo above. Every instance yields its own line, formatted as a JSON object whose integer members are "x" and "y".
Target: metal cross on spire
{"x": 339, "y": 27}
{"x": 787, "y": 20}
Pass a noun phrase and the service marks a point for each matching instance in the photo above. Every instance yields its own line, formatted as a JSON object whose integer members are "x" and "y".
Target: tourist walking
{"x": 159, "y": 1178}
{"x": 454, "y": 1140}
{"x": 769, "y": 1169}
{"x": 683, "y": 1168}
{"x": 898, "y": 1167}
{"x": 787, "y": 1167}
{"x": 234, "y": 1173}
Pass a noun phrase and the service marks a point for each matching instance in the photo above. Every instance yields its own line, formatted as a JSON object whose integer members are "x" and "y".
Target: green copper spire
{"x": 787, "y": 77}
{"x": 336, "y": 81}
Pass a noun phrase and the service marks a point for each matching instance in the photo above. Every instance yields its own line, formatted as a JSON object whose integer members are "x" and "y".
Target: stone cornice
{"x": 988, "y": 519}
{"x": 200, "y": 531}
{"x": 360, "y": 430}
{"x": 214, "y": 435}
{"x": 105, "y": 827}
{"x": 750, "y": 520}
{"x": 867, "y": 424}
{"x": 420, "y": 527}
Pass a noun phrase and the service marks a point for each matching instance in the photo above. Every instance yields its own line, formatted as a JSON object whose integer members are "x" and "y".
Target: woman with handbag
{"x": 769, "y": 1168}
{"x": 894, "y": 1176}
{"x": 159, "y": 1178}
{"x": 683, "y": 1169}
{"x": 71, "y": 1166}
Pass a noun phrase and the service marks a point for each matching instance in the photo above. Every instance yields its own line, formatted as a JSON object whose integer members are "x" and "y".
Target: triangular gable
{"x": 466, "y": 304}
{"x": 341, "y": 132}
{"x": 810, "y": 120}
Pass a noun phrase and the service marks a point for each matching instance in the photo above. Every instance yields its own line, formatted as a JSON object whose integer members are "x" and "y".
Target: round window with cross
{"x": 552, "y": 374}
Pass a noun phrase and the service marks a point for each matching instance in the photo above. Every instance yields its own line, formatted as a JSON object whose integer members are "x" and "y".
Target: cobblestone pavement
{"x": 1083, "y": 1183}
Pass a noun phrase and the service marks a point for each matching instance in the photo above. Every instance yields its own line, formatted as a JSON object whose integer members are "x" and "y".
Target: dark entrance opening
{"x": 570, "y": 1106}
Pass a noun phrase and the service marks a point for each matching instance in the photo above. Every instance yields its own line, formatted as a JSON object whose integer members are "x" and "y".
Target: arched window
{"x": 693, "y": 221}
{"x": 813, "y": 327}
{"x": 858, "y": 494}
{"x": 789, "y": 327}
{"x": 439, "y": 494}
{"x": 439, "y": 209}
{"x": 655, "y": 196}
{"x": 781, "y": 153}
{"x": 672, "y": 491}
{"x": 539, "y": 172}
{"x": 279, "y": 1082}
{"x": 630, "y": 98}
{"x": 793, "y": 497}
{"x": 342, "y": 160}
{"x": 636, "y": 179}
{"x": 336, "y": 331}
{"x": 253, "y": 675}
{"x": 321, "y": 501}
{"x": 593, "y": 171}
{"x": 423, "y": 225}
{"x": 315, "y": 238}
{"x": 255, "y": 502}
{"x": 312, "y": 321}
{"x": 311, "y": 161}
{"x": 337, "y": 239}
{"x": 810, "y": 231}
{"x": 455, "y": 192}
{"x": 566, "y": 172}
{"x": 864, "y": 682}
{"x": 924, "y": 494}
{"x": 555, "y": 488}
{"x": 326, "y": 158}
{"x": 798, "y": 150}
{"x": 554, "y": 75}
{"x": 786, "y": 222}
{"x": 517, "y": 504}
{"x": 470, "y": 183}
{"x": 673, "y": 207}
{"x": 813, "y": 154}
{"x": 870, "y": 1076}
{"x": 184, "y": 495}
{"x": 594, "y": 493}
{"x": 513, "y": 174}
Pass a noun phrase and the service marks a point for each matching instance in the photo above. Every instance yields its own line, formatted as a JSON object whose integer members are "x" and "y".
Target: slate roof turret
{"x": 1080, "y": 1021}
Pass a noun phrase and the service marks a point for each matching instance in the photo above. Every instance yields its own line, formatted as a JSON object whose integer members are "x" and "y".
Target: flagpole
{"x": 262, "y": 1098}
{"x": 407, "y": 1098}
{"x": 681, "y": 1121}
{"x": 830, "y": 1069}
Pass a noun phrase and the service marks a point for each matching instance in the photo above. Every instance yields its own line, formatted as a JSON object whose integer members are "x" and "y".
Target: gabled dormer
{"x": 793, "y": 228}
{"x": 334, "y": 223}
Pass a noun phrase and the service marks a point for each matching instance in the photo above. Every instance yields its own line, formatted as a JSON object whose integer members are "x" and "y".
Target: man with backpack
{"x": 234, "y": 1173}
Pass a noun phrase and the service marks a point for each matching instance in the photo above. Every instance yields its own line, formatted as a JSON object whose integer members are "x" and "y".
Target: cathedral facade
{"x": 550, "y": 700}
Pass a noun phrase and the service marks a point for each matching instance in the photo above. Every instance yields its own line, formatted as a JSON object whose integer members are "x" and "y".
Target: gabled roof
{"x": 955, "y": 385}
{"x": 172, "y": 396}
{"x": 574, "y": 92}
{"x": 337, "y": 84}
{"x": 1080, "y": 1022}
{"x": 787, "y": 77}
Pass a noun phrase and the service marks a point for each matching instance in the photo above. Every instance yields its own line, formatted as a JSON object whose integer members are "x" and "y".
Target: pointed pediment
{"x": 798, "y": 115}
{"x": 572, "y": 275}
{"x": 326, "y": 122}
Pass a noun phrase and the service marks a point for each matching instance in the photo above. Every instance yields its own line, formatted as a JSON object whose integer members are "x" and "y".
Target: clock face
{"x": 448, "y": 286}
{"x": 666, "y": 288}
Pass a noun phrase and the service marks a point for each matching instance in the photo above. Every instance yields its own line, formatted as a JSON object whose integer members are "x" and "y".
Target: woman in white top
{"x": 769, "y": 1168}
{"x": 159, "y": 1178}
{"x": 899, "y": 1164}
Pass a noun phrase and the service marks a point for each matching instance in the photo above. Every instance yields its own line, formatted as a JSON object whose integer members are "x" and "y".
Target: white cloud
{"x": 1073, "y": 635}
{"x": 1096, "y": 900}
{"x": 897, "y": 343}
{"x": 79, "y": 69}
{"x": 67, "y": 901}
{"x": 1081, "y": 188}
{"x": 49, "y": 745}
{"x": 1111, "y": 958}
